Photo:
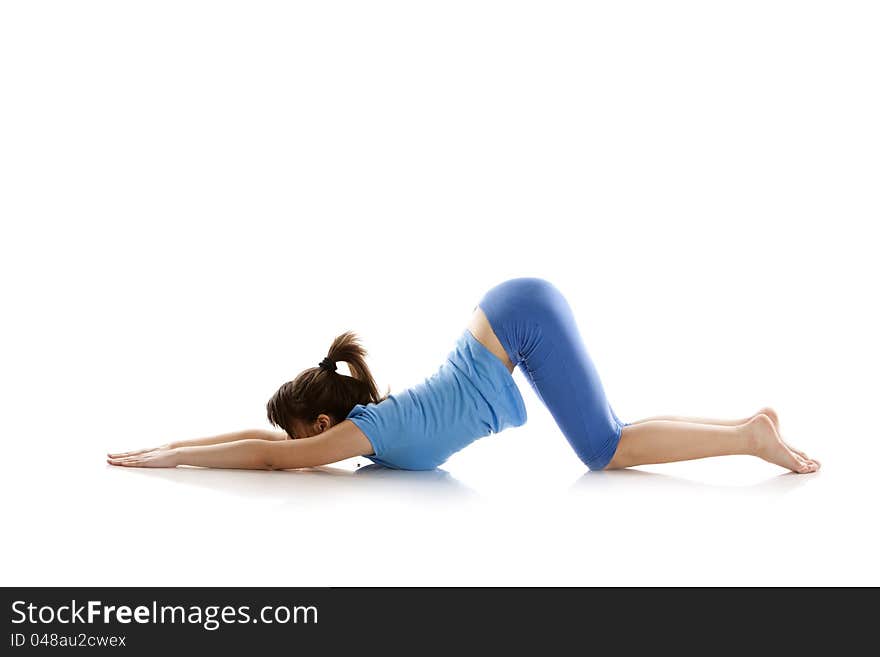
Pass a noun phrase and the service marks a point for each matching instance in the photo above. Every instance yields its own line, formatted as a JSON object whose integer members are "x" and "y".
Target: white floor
{"x": 488, "y": 519}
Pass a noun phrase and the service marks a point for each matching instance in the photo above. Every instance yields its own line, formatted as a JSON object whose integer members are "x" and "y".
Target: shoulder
{"x": 372, "y": 408}
{"x": 348, "y": 438}
{"x": 341, "y": 441}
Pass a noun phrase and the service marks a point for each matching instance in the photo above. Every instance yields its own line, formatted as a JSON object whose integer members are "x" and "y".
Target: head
{"x": 321, "y": 397}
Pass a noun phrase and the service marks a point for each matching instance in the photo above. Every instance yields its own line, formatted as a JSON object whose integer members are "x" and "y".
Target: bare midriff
{"x": 481, "y": 329}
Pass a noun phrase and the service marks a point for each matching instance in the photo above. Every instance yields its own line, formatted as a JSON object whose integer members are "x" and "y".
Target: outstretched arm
{"x": 341, "y": 441}
{"x": 247, "y": 434}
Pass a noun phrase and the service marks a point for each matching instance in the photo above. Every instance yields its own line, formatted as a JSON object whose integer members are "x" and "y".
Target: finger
{"x": 120, "y": 462}
{"x": 127, "y": 460}
{"x": 146, "y": 450}
{"x": 132, "y": 452}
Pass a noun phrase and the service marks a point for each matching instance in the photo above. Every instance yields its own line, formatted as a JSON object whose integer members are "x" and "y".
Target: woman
{"x": 327, "y": 416}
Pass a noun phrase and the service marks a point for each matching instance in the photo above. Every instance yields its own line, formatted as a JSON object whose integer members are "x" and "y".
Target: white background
{"x": 196, "y": 197}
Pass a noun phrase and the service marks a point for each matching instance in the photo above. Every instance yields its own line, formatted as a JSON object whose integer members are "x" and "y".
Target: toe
{"x": 805, "y": 457}
{"x": 796, "y": 462}
{"x": 807, "y": 466}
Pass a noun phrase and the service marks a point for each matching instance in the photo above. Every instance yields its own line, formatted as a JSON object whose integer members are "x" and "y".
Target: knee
{"x": 618, "y": 461}
{"x": 539, "y": 286}
{"x": 621, "y": 457}
{"x": 615, "y": 456}
{"x": 538, "y": 293}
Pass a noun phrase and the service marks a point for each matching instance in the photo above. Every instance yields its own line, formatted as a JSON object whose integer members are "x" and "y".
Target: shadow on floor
{"x": 377, "y": 484}
{"x": 643, "y": 482}
{"x": 322, "y": 483}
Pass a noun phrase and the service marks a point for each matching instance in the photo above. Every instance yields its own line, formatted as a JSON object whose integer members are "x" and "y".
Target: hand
{"x": 150, "y": 458}
{"x": 136, "y": 452}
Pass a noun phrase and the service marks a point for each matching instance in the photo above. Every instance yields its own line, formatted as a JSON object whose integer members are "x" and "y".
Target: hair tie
{"x": 328, "y": 364}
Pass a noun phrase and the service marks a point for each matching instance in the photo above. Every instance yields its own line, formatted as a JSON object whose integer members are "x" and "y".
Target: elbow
{"x": 289, "y": 455}
{"x": 261, "y": 456}
{"x": 266, "y": 462}
{"x": 276, "y": 456}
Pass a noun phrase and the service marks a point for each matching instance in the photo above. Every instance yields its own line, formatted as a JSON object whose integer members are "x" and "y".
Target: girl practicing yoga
{"x": 327, "y": 416}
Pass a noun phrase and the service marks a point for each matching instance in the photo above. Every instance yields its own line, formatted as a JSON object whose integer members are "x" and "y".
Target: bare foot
{"x": 770, "y": 447}
{"x": 774, "y": 418}
{"x": 769, "y": 412}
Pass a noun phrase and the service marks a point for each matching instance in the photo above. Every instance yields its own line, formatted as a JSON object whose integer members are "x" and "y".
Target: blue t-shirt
{"x": 469, "y": 397}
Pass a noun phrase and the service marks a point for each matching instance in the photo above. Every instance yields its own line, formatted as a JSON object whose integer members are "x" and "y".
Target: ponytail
{"x": 348, "y": 349}
{"x": 322, "y": 389}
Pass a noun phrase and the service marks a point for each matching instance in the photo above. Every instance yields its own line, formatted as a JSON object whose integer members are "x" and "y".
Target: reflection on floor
{"x": 634, "y": 478}
{"x": 488, "y": 518}
{"x": 317, "y": 484}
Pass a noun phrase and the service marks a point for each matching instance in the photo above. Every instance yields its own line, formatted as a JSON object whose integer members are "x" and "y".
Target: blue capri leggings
{"x": 537, "y": 329}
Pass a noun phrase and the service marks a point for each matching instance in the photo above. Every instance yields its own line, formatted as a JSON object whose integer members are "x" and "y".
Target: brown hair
{"x": 319, "y": 390}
